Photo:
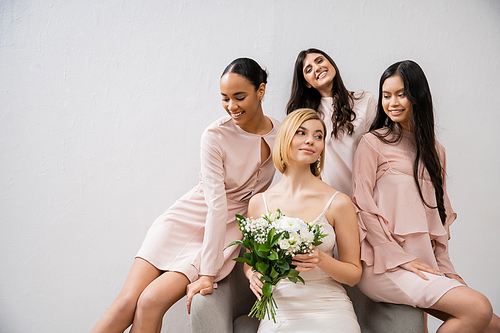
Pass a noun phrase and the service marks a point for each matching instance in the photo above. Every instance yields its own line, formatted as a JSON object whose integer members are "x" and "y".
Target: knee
{"x": 482, "y": 310}
{"x": 148, "y": 303}
{"x": 126, "y": 302}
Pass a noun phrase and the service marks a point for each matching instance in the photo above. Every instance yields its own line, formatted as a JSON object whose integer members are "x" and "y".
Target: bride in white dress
{"x": 321, "y": 305}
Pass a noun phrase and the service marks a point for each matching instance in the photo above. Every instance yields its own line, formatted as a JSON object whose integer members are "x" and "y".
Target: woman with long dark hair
{"x": 317, "y": 85}
{"x": 183, "y": 250}
{"x": 404, "y": 213}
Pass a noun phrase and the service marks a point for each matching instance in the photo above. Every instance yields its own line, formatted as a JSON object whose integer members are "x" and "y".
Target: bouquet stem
{"x": 267, "y": 305}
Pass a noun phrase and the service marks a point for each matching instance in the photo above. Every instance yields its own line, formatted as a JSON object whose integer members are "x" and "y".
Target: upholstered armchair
{"x": 226, "y": 310}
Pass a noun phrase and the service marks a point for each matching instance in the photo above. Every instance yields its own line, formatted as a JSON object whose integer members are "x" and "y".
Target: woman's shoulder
{"x": 364, "y": 104}
{"x": 276, "y": 124}
{"x": 361, "y": 94}
{"x": 441, "y": 150}
{"x": 328, "y": 192}
{"x": 220, "y": 124}
{"x": 274, "y": 120}
{"x": 256, "y": 206}
{"x": 372, "y": 137}
{"x": 340, "y": 203}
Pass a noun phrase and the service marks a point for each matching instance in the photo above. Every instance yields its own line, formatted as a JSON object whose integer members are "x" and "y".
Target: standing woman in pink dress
{"x": 183, "y": 250}
{"x": 404, "y": 213}
{"x": 317, "y": 85}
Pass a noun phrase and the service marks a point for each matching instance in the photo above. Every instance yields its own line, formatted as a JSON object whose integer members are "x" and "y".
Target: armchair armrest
{"x": 219, "y": 311}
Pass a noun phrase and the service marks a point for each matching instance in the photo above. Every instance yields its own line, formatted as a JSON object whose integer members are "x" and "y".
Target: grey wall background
{"x": 102, "y": 105}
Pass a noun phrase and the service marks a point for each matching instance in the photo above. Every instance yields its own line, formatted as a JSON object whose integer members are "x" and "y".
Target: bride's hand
{"x": 256, "y": 284}
{"x": 307, "y": 262}
{"x": 417, "y": 265}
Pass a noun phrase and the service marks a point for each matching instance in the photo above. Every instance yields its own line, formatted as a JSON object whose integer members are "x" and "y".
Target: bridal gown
{"x": 319, "y": 305}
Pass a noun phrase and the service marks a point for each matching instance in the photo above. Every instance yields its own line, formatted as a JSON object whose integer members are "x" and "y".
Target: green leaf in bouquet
{"x": 246, "y": 243}
{"x": 264, "y": 248}
{"x": 267, "y": 289}
{"x": 240, "y": 218}
{"x": 283, "y": 264}
{"x": 301, "y": 279}
{"x": 262, "y": 267}
{"x": 245, "y": 260}
{"x": 273, "y": 256}
{"x": 234, "y": 243}
{"x": 294, "y": 272}
{"x": 317, "y": 243}
{"x": 270, "y": 236}
{"x": 256, "y": 248}
{"x": 276, "y": 238}
{"x": 265, "y": 278}
{"x": 274, "y": 274}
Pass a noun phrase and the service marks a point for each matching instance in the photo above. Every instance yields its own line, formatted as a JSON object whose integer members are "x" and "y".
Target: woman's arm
{"x": 255, "y": 206}
{"x": 384, "y": 252}
{"x": 441, "y": 243}
{"x": 212, "y": 173}
{"x": 347, "y": 269}
{"x": 378, "y": 246}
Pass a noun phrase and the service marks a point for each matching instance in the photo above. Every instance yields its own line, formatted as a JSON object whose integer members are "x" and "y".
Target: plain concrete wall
{"x": 102, "y": 105}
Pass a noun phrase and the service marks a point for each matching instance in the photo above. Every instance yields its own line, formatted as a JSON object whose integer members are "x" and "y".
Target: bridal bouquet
{"x": 273, "y": 240}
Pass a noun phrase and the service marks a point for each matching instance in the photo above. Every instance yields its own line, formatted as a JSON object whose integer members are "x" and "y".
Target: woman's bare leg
{"x": 156, "y": 299}
{"x": 467, "y": 309}
{"x": 120, "y": 314}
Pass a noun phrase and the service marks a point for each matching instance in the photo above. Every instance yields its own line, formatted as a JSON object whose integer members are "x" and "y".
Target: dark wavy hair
{"x": 422, "y": 124}
{"x": 249, "y": 69}
{"x": 304, "y": 97}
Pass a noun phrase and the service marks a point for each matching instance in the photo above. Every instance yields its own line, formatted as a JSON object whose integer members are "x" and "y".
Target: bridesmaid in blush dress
{"x": 317, "y": 84}
{"x": 183, "y": 250}
{"x": 321, "y": 304}
{"x": 404, "y": 213}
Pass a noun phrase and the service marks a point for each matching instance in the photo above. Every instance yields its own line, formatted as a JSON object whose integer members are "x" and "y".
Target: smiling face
{"x": 319, "y": 73}
{"x": 394, "y": 101}
{"x": 240, "y": 99}
{"x": 308, "y": 142}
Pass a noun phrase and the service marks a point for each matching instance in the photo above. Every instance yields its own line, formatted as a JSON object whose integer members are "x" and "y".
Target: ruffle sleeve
{"x": 379, "y": 247}
{"x": 213, "y": 175}
{"x": 440, "y": 244}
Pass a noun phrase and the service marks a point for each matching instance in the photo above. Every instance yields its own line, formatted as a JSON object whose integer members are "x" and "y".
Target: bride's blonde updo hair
{"x": 288, "y": 128}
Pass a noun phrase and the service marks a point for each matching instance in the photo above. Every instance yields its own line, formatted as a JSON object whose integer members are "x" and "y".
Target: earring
{"x": 318, "y": 162}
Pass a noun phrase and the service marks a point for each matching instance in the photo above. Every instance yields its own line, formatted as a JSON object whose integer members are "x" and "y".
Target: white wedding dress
{"x": 320, "y": 305}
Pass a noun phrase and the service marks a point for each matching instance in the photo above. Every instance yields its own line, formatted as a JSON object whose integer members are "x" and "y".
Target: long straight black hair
{"x": 421, "y": 123}
{"x": 304, "y": 97}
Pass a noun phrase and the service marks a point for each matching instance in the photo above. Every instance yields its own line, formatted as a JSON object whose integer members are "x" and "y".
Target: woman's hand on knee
{"x": 256, "y": 284}
{"x": 204, "y": 286}
{"x": 455, "y": 277}
{"x": 417, "y": 265}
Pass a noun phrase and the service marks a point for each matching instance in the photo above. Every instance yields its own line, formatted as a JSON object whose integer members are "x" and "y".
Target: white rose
{"x": 284, "y": 245}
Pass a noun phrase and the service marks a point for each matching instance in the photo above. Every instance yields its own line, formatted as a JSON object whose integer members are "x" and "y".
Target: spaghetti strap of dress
{"x": 265, "y": 203}
{"x": 329, "y": 201}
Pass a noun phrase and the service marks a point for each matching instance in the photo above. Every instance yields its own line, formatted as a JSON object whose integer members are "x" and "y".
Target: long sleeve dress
{"x": 396, "y": 227}
{"x": 339, "y": 153}
{"x": 190, "y": 236}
